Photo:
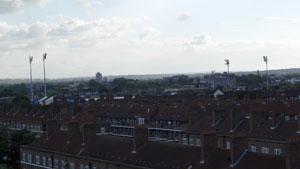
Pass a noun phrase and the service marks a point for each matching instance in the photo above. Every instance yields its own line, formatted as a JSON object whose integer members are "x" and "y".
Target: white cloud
{"x": 281, "y": 19}
{"x": 184, "y": 16}
{"x": 89, "y": 3}
{"x": 149, "y": 32}
{"x": 74, "y": 32}
{"x": 16, "y": 6}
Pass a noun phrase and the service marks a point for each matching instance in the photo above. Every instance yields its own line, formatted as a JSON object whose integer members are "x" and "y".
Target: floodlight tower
{"x": 227, "y": 63}
{"x": 267, "y": 71}
{"x": 45, "y": 88}
{"x": 31, "y": 90}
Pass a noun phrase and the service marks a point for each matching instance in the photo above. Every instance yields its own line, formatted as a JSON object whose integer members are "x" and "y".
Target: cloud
{"x": 17, "y": 6}
{"x": 200, "y": 39}
{"x": 149, "y": 32}
{"x": 184, "y": 16}
{"x": 89, "y": 3}
{"x": 281, "y": 19}
{"x": 70, "y": 33}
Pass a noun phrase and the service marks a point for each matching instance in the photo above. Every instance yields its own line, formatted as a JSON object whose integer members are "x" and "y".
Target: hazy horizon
{"x": 132, "y": 37}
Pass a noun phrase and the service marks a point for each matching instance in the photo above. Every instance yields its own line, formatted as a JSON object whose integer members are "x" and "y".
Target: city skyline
{"x": 83, "y": 37}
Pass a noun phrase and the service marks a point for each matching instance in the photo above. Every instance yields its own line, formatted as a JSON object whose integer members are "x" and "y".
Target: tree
{"x": 10, "y": 142}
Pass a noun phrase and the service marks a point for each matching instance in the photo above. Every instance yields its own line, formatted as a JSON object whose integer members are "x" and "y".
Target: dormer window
{"x": 141, "y": 121}
{"x": 227, "y": 145}
{"x": 287, "y": 118}
{"x": 277, "y": 151}
{"x": 184, "y": 141}
{"x": 265, "y": 150}
{"x": 191, "y": 141}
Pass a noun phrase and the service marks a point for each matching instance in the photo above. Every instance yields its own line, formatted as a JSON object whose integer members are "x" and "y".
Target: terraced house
{"x": 166, "y": 133}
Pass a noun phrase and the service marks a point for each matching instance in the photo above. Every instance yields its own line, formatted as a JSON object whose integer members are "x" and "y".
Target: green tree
{"x": 10, "y": 142}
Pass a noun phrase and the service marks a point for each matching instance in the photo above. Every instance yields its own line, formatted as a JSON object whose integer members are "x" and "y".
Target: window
{"x": 253, "y": 148}
{"x": 63, "y": 164}
{"x": 87, "y": 167}
{"x": 227, "y": 145}
{"x": 102, "y": 129}
{"x": 198, "y": 142}
{"x": 29, "y": 158}
{"x": 191, "y": 141}
{"x": 24, "y": 156}
{"x": 296, "y": 117}
{"x": 81, "y": 166}
{"x": 141, "y": 121}
{"x": 287, "y": 117}
{"x": 37, "y": 159}
{"x": 184, "y": 140}
{"x": 72, "y": 165}
{"x": 44, "y": 161}
{"x": 265, "y": 150}
{"x": 277, "y": 151}
{"x": 49, "y": 162}
{"x": 94, "y": 168}
{"x": 55, "y": 163}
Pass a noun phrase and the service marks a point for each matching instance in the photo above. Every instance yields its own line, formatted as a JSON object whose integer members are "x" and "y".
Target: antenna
{"x": 31, "y": 90}
{"x": 227, "y": 63}
{"x": 45, "y": 88}
{"x": 267, "y": 71}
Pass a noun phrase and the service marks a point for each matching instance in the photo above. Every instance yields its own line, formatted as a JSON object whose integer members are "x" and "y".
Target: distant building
{"x": 98, "y": 77}
{"x": 224, "y": 80}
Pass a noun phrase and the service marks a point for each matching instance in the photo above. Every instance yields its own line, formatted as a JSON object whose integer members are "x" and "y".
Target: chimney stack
{"x": 140, "y": 137}
{"x": 51, "y": 127}
{"x": 73, "y": 129}
{"x": 89, "y": 130}
{"x": 298, "y": 123}
{"x": 276, "y": 117}
{"x": 235, "y": 118}
{"x": 255, "y": 119}
{"x": 208, "y": 144}
{"x": 217, "y": 116}
{"x": 238, "y": 148}
{"x": 293, "y": 153}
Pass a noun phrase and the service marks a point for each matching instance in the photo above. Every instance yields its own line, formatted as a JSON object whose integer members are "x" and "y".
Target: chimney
{"x": 140, "y": 137}
{"x": 82, "y": 100}
{"x": 73, "y": 129}
{"x": 89, "y": 130}
{"x": 76, "y": 100}
{"x": 298, "y": 123}
{"x": 235, "y": 119}
{"x": 64, "y": 100}
{"x": 217, "y": 115}
{"x": 92, "y": 101}
{"x": 238, "y": 148}
{"x": 276, "y": 117}
{"x": 256, "y": 118}
{"x": 292, "y": 158}
{"x": 51, "y": 127}
{"x": 91, "y": 116}
{"x": 208, "y": 144}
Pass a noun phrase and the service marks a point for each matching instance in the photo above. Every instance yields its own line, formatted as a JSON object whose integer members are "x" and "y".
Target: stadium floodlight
{"x": 45, "y": 88}
{"x": 267, "y": 71}
{"x": 31, "y": 89}
{"x": 227, "y": 63}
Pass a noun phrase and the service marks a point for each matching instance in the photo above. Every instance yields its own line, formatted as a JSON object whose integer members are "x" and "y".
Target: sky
{"x": 121, "y": 37}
